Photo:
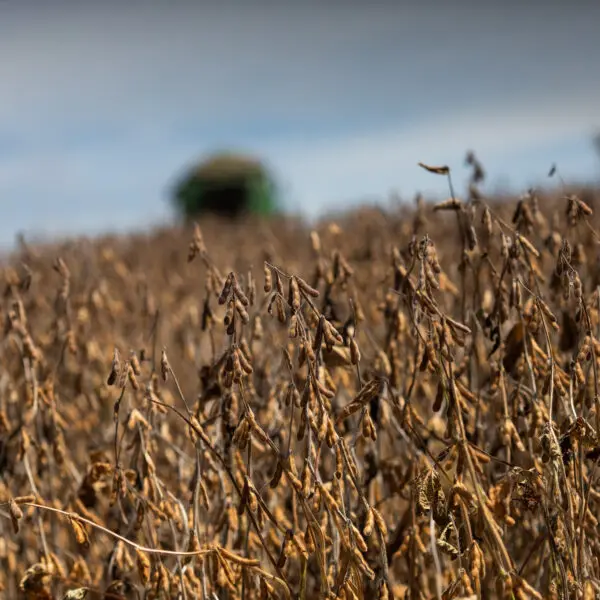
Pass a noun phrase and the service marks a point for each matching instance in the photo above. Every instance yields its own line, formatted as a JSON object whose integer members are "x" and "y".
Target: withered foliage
{"x": 397, "y": 405}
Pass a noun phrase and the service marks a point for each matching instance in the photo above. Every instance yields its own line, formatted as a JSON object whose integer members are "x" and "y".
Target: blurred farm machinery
{"x": 226, "y": 184}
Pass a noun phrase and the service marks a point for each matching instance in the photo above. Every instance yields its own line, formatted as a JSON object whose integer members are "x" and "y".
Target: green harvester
{"x": 229, "y": 185}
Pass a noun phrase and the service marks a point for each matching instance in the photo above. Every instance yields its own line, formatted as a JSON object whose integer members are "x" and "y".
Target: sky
{"x": 104, "y": 104}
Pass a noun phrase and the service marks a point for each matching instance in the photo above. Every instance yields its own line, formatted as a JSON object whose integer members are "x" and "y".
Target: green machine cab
{"x": 229, "y": 185}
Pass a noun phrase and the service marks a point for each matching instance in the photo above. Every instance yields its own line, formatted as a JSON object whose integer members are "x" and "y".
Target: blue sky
{"x": 103, "y": 104}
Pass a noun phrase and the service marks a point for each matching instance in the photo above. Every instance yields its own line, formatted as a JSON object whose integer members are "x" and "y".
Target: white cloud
{"x": 373, "y": 162}
{"x": 144, "y": 62}
{"x": 157, "y": 64}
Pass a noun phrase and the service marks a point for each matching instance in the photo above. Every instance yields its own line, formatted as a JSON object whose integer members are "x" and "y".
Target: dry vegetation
{"x": 396, "y": 406}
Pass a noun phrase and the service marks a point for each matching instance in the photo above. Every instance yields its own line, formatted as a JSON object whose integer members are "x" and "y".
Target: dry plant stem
{"x": 556, "y": 555}
{"x": 39, "y": 519}
{"x": 436, "y": 558}
{"x": 148, "y": 550}
{"x": 463, "y": 240}
{"x": 179, "y": 565}
{"x": 502, "y": 386}
{"x": 223, "y": 463}
{"x": 503, "y": 558}
{"x": 179, "y": 391}
{"x": 537, "y": 545}
{"x": 584, "y": 508}
{"x": 413, "y": 558}
{"x": 198, "y": 467}
{"x": 196, "y": 518}
{"x": 571, "y": 514}
{"x": 30, "y": 375}
{"x": 116, "y": 410}
{"x": 594, "y": 361}
{"x": 154, "y": 338}
{"x": 247, "y": 535}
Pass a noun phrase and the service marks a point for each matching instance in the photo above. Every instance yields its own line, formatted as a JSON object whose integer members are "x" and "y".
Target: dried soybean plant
{"x": 396, "y": 405}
